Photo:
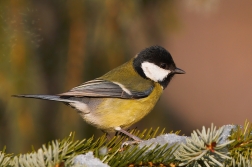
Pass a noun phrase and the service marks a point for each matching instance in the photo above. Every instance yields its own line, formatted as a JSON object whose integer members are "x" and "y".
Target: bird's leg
{"x": 135, "y": 138}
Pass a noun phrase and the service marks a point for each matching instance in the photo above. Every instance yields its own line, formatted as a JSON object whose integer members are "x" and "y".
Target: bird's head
{"x": 156, "y": 63}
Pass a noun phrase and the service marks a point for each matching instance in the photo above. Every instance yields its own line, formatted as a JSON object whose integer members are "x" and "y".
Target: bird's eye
{"x": 163, "y": 65}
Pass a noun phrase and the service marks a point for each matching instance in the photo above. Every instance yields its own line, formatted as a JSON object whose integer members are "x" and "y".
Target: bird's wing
{"x": 103, "y": 88}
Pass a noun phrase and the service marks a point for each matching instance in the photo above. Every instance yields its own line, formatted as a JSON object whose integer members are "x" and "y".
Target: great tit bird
{"x": 124, "y": 95}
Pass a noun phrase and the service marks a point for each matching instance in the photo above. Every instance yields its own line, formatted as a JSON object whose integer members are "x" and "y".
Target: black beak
{"x": 178, "y": 71}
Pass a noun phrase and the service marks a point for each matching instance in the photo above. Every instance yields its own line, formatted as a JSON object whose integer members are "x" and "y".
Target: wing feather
{"x": 103, "y": 88}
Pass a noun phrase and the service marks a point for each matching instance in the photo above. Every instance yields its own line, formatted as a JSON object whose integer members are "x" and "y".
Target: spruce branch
{"x": 228, "y": 146}
{"x": 241, "y": 148}
{"x": 4, "y": 158}
{"x": 204, "y": 148}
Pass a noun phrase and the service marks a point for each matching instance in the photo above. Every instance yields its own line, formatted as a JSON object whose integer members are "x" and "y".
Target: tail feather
{"x": 46, "y": 97}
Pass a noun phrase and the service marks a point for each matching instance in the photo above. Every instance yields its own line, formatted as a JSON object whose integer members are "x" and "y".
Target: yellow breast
{"x": 115, "y": 112}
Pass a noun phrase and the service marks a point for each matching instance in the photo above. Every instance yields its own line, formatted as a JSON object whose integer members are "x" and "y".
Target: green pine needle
{"x": 241, "y": 149}
{"x": 203, "y": 148}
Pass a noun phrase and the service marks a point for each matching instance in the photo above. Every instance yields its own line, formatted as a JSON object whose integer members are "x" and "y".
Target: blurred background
{"x": 48, "y": 47}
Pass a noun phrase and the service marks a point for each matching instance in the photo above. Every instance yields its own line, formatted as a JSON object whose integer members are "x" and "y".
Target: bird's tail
{"x": 46, "y": 97}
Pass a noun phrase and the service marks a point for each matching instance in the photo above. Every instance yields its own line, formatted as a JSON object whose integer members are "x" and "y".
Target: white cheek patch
{"x": 153, "y": 72}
